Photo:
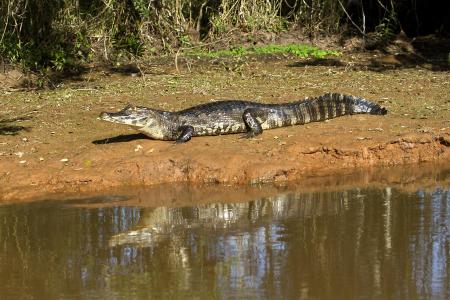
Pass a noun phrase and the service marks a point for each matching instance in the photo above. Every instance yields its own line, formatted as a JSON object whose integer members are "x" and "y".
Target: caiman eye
{"x": 127, "y": 109}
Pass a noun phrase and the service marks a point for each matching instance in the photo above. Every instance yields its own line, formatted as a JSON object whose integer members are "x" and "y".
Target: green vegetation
{"x": 61, "y": 35}
{"x": 44, "y": 36}
{"x": 294, "y": 49}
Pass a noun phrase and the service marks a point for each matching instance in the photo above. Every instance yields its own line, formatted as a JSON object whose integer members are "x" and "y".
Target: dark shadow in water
{"x": 7, "y": 126}
{"x": 104, "y": 199}
{"x": 121, "y": 139}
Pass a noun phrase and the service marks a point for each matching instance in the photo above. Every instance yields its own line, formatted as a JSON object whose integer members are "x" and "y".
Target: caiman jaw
{"x": 132, "y": 116}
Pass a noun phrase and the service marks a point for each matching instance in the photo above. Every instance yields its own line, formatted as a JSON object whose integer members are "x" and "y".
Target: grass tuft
{"x": 299, "y": 50}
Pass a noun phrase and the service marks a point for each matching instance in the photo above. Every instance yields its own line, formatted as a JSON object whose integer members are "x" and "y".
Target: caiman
{"x": 237, "y": 116}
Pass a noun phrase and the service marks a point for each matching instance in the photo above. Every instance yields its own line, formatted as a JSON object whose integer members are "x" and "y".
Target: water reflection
{"x": 357, "y": 243}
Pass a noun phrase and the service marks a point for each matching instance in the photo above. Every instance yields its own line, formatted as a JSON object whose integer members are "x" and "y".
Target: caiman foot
{"x": 252, "y": 124}
{"x": 248, "y": 135}
{"x": 186, "y": 134}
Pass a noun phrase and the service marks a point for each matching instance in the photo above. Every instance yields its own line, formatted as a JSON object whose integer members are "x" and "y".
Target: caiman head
{"x": 149, "y": 121}
{"x": 135, "y": 116}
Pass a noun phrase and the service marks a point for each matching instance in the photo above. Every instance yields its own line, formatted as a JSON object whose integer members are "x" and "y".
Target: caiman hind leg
{"x": 185, "y": 135}
{"x": 251, "y": 122}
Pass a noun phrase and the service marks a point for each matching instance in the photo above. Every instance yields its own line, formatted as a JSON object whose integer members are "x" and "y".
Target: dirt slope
{"x": 52, "y": 141}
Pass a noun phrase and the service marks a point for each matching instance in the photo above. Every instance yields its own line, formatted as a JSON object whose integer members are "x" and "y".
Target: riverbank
{"x": 51, "y": 141}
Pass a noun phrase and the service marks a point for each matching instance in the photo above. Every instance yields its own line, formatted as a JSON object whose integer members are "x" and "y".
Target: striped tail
{"x": 334, "y": 105}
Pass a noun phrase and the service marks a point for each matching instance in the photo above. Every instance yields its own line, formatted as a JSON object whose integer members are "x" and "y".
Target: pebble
{"x": 64, "y": 160}
{"x": 138, "y": 147}
{"x": 19, "y": 154}
{"x": 41, "y": 158}
{"x": 22, "y": 162}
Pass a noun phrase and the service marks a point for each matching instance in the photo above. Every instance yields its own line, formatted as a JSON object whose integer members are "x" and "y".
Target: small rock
{"x": 151, "y": 150}
{"x": 25, "y": 139}
{"x": 138, "y": 147}
{"x": 64, "y": 160}
{"x": 41, "y": 159}
{"x": 276, "y": 137}
{"x": 22, "y": 162}
{"x": 19, "y": 154}
{"x": 424, "y": 130}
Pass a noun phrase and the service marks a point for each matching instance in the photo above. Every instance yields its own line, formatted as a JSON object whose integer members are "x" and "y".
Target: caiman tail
{"x": 334, "y": 105}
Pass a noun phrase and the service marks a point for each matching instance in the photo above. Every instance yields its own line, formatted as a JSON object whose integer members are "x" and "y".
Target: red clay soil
{"x": 52, "y": 141}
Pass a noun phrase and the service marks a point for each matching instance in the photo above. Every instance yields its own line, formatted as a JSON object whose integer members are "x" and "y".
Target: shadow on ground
{"x": 7, "y": 126}
{"x": 430, "y": 52}
{"x": 121, "y": 139}
{"x": 82, "y": 76}
{"x": 329, "y": 62}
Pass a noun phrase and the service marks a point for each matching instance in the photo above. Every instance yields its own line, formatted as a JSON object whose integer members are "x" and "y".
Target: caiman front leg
{"x": 185, "y": 135}
{"x": 251, "y": 122}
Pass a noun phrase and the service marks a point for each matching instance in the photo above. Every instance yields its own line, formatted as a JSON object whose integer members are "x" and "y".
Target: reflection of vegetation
{"x": 375, "y": 242}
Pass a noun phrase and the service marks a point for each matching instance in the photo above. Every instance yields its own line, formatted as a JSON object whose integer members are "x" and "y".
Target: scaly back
{"x": 332, "y": 105}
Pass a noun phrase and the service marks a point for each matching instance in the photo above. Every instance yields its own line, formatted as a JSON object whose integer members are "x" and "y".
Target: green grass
{"x": 299, "y": 50}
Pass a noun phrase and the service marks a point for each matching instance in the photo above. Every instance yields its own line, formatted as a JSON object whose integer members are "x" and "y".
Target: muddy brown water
{"x": 306, "y": 241}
